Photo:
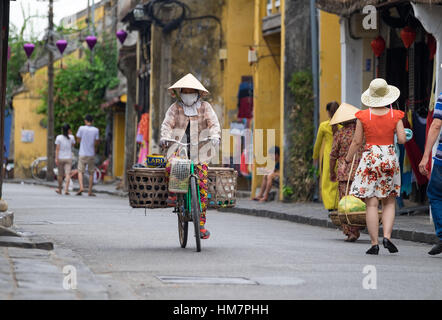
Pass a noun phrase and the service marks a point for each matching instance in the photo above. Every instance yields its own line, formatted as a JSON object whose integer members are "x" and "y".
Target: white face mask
{"x": 189, "y": 98}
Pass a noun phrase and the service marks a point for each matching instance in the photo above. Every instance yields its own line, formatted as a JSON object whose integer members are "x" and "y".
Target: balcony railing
{"x": 273, "y": 7}
{"x": 271, "y": 23}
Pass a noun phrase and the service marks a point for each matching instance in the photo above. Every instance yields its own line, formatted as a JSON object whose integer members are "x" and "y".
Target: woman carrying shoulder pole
{"x": 377, "y": 177}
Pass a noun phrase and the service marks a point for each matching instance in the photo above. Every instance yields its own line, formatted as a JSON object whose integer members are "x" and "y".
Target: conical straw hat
{"x": 345, "y": 112}
{"x": 190, "y": 82}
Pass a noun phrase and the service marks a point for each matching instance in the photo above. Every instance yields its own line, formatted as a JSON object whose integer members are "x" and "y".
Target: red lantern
{"x": 432, "y": 46}
{"x": 408, "y": 35}
{"x": 378, "y": 46}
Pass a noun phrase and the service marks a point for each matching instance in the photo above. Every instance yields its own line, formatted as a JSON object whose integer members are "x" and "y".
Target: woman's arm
{"x": 318, "y": 143}
{"x": 169, "y": 123}
{"x": 57, "y": 151}
{"x": 358, "y": 140}
{"x": 400, "y": 132}
{"x": 213, "y": 122}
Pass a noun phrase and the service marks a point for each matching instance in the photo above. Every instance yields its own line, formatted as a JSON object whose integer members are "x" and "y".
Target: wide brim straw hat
{"x": 345, "y": 112}
{"x": 190, "y": 82}
{"x": 380, "y": 94}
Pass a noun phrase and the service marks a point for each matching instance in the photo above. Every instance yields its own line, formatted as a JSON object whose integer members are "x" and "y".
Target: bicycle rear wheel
{"x": 195, "y": 211}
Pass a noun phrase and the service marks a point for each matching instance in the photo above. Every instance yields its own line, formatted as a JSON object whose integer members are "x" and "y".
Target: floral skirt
{"x": 378, "y": 173}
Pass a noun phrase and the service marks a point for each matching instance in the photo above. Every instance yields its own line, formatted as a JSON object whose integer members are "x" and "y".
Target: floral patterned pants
{"x": 201, "y": 170}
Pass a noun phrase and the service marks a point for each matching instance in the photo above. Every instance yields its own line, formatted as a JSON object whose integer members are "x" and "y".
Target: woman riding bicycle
{"x": 190, "y": 120}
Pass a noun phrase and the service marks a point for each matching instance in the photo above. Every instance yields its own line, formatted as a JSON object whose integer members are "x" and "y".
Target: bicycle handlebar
{"x": 187, "y": 144}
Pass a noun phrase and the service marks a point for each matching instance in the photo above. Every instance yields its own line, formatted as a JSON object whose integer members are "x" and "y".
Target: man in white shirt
{"x": 88, "y": 137}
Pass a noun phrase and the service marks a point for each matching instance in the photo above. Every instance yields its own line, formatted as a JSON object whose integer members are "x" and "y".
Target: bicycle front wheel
{"x": 196, "y": 212}
{"x": 183, "y": 224}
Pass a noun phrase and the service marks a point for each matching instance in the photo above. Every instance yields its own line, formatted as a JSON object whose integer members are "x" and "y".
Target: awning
{"x": 347, "y": 7}
{"x": 114, "y": 101}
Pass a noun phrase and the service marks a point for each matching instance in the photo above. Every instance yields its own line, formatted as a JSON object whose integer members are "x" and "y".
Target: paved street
{"x": 122, "y": 254}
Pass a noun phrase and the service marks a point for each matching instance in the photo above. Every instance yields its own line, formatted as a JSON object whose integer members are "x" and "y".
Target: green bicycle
{"x": 184, "y": 183}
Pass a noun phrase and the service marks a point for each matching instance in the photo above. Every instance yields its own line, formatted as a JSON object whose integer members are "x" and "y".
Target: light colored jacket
{"x": 202, "y": 126}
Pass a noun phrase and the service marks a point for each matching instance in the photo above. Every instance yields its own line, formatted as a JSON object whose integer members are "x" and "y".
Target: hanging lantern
{"x": 121, "y": 35}
{"x": 91, "y": 41}
{"x": 378, "y": 47}
{"x": 432, "y": 46}
{"x": 61, "y": 45}
{"x": 29, "y": 48}
{"x": 408, "y": 35}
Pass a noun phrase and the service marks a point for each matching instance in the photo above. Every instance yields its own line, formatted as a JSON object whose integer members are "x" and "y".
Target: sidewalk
{"x": 416, "y": 228}
{"x": 108, "y": 188}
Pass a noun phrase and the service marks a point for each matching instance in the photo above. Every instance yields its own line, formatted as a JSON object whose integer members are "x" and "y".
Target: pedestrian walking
{"x": 324, "y": 137}
{"x": 345, "y": 116}
{"x": 190, "y": 117}
{"x": 434, "y": 190}
{"x": 63, "y": 157}
{"x": 377, "y": 177}
{"x": 88, "y": 137}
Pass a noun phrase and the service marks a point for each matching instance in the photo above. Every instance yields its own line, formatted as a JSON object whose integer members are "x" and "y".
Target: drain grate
{"x": 206, "y": 280}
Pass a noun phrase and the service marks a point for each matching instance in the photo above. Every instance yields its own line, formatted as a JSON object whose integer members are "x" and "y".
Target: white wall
{"x": 351, "y": 67}
{"x": 431, "y": 18}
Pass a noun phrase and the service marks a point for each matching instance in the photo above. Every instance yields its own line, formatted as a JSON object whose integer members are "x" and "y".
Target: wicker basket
{"x": 147, "y": 188}
{"x": 356, "y": 219}
{"x": 222, "y": 187}
{"x": 335, "y": 218}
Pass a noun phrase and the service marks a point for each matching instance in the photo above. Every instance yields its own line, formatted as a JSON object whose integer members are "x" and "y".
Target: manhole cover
{"x": 206, "y": 280}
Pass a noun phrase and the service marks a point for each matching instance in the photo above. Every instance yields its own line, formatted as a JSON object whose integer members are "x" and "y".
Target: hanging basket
{"x": 222, "y": 187}
{"x": 335, "y": 218}
{"x": 356, "y": 219}
{"x": 147, "y": 188}
{"x": 353, "y": 219}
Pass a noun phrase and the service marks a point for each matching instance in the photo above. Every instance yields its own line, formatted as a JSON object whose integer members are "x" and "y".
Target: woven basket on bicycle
{"x": 222, "y": 187}
{"x": 147, "y": 188}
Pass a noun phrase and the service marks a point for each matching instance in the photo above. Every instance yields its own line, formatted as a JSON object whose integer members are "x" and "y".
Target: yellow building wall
{"x": 329, "y": 61}
{"x": 238, "y": 22}
{"x": 281, "y": 104}
{"x": 26, "y": 118}
{"x": 267, "y": 85}
{"x": 118, "y": 144}
{"x": 25, "y": 111}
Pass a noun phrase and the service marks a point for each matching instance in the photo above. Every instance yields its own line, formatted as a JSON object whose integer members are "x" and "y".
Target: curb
{"x": 121, "y": 194}
{"x": 25, "y": 243}
{"x": 402, "y": 234}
